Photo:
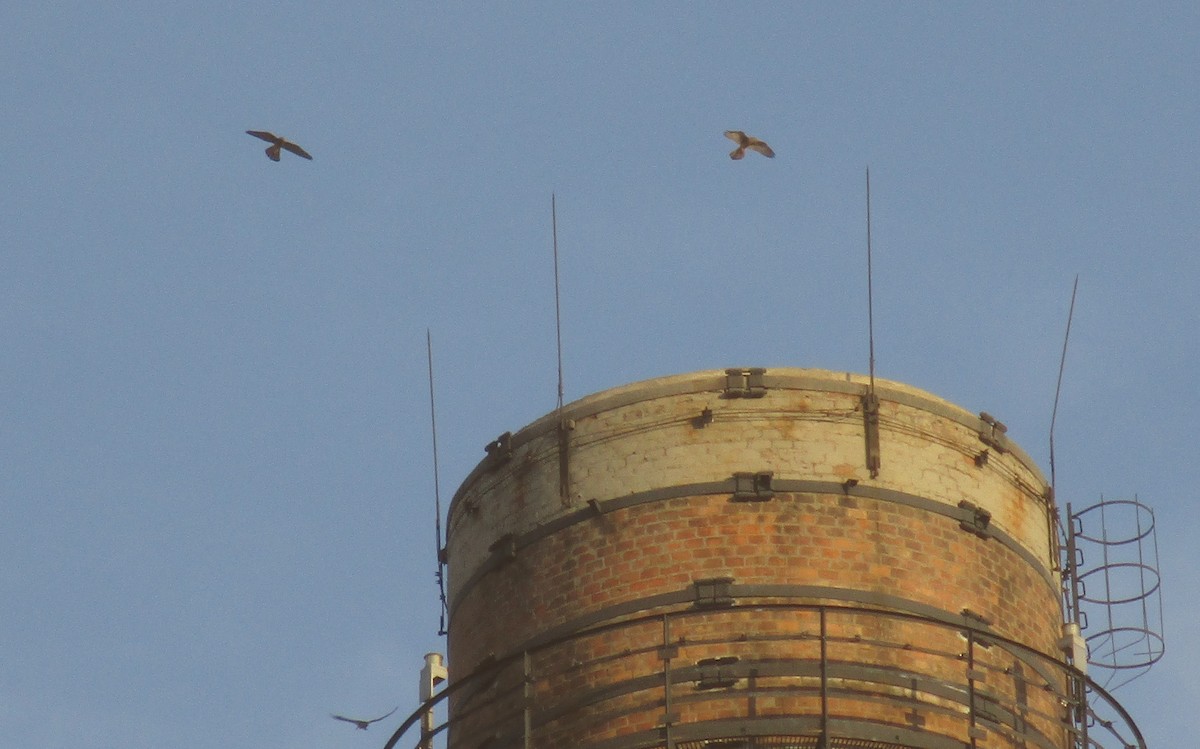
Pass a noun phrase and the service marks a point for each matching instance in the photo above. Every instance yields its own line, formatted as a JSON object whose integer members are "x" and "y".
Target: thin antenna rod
{"x": 1062, "y": 362}
{"x": 557, "y": 311}
{"x": 870, "y": 400}
{"x": 437, "y": 495}
{"x": 870, "y": 290}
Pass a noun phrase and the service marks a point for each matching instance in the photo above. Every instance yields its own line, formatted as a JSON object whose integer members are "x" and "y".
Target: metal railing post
{"x": 823, "y": 741}
{"x": 527, "y": 694}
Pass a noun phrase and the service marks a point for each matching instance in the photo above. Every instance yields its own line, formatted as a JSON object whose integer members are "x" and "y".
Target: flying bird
{"x": 746, "y": 141}
{"x": 362, "y": 724}
{"x": 278, "y": 143}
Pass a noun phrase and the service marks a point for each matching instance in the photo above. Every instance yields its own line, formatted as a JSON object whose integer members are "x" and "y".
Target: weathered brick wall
{"x": 646, "y": 511}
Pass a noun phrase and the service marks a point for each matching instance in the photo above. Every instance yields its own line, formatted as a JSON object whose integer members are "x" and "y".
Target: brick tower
{"x": 751, "y": 558}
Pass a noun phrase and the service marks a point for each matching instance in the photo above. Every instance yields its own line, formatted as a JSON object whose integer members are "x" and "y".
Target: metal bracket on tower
{"x": 975, "y": 519}
{"x": 714, "y": 673}
{"x": 505, "y": 547}
{"x": 500, "y": 449}
{"x": 745, "y": 383}
{"x": 565, "y": 426}
{"x": 870, "y": 406}
{"x": 1074, "y": 646}
{"x": 993, "y": 432}
{"x": 976, "y": 617}
{"x": 753, "y": 487}
{"x": 713, "y": 592}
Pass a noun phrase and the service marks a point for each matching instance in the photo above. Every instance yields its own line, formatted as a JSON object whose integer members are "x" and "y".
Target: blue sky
{"x": 216, "y": 493}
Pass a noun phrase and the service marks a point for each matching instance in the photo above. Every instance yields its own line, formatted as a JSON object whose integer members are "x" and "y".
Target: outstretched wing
{"x": 343, "y": 717}
{"x": 269, "y": 137}
{"x": 761, "y": 147}
{"x": 381, "y": 717}
{"x": 299, "y": 152}
{"x": 737, "y": 136}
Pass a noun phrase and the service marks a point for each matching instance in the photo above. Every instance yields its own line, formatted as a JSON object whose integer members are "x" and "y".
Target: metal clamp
{"x": 753, "y": 487}
{"x": 745, "y": 383}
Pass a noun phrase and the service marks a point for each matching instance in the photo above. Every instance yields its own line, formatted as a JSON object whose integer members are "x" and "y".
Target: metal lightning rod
{"x": 564, "y": 429}
{"x": 557, "y": 309}
{"x": 870, "y": 400}
{"x": 437, "y": 498}
{"x": 870, "y": 291}
{"x": 1062, "y": 362}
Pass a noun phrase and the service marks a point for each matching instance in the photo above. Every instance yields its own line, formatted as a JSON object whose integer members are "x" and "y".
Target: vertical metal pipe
{"x": 668, "y": 718}
{"x": 527, "y": 695}
{"x": 972, "y": 729}
{"x": 823, "y": 741}
{"x": 433, "y": 673}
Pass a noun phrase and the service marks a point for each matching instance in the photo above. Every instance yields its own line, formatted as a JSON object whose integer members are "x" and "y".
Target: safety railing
{"x": 774, "y": 675}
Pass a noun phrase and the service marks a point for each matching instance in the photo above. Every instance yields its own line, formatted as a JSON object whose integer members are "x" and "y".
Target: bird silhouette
{"x": 278, "y": 143}
{"x": 746, "y": 141}
{"x": 362, "y": 724}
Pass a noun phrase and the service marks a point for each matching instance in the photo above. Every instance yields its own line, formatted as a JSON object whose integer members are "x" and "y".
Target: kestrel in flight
{"x": 278, "y": 143}
{"x": 361, "y": 724}
{"x": 746, "y": 141}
